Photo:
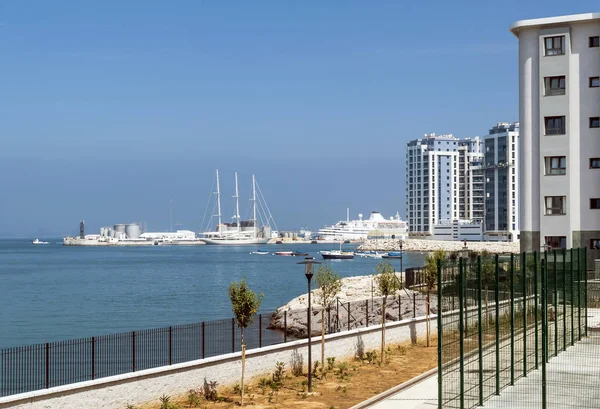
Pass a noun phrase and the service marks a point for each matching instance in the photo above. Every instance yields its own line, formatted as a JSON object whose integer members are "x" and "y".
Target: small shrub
{"x": 193, "y": 398}
{"x": 342, "y": 370}
{"x": 330, "y": 363}
{"x": 279, "y": 373}
{"x": 297, "y": 363}
{"x": 315, "y": 367}
{"x": 263, "y": 384}
{"x": 209, "y": 390}
{"x": 130, "y": 406}
{"x": 164, "y": 401}
{"x": 402, "y": 349}
{"x": 371, "y": 356}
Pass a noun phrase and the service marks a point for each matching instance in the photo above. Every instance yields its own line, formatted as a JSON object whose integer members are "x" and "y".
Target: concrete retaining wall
{"x": 116, "y": 391}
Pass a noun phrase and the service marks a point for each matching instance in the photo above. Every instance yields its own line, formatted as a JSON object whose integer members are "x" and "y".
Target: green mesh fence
{"x": 503, "y": 318}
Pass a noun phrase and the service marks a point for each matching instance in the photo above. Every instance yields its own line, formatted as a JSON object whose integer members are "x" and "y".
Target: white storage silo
{"x": 119, "y": 228}
{"x": 133, "y": 231}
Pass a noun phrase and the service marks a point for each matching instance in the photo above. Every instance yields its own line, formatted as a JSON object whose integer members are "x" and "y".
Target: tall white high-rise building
{"x": 501, "y": 176}
{"x": 444, "y": 181}
{"x": 559, "y": 109}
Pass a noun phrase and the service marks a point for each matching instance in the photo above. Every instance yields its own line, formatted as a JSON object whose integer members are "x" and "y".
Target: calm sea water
{"x": 51, "y": 292}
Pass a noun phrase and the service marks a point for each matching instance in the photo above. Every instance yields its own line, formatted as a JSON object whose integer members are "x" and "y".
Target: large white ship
{"x": 240, "y": 232}
{"x": 376, "y": 226}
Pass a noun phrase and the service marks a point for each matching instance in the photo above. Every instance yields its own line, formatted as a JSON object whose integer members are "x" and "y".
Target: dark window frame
{"x": 555, "y": 125}
{"x": 594, "y": 244}
{"x": 558, "y": 170}
{"x": 596, "y": 80}
{"x": 594, "y": 163}
{"x": 556, "y": 242}
{"x": 595, "y": 122}
{"x": 594, "y": 41}
{"x": 554, "y": 45}
{"x": 558, "y": 205}
{"x": 555, "y": 85}
{"x": 595, "y": 203}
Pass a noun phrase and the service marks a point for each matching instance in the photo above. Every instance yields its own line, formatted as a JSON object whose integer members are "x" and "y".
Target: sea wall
{"x": 426, "y": 246}
{"x": 116, "y": 392}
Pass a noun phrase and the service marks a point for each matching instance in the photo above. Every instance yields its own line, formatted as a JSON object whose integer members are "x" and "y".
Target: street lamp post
{"x": 309, "y": 262}
{"x": 401, "y": 258}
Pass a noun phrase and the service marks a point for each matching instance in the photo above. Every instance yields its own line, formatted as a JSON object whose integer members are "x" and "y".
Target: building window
{"x": 595, "y": 203}
{"x": 554, "y": 85}
{"x": 595, "y": 244}
{"x": 594, "y": 163}
{"x": 594, "y": 82}
{"x": 556, "y": 165}
{"x": 555, "y": 205}
{"x": 554, "y": 45}
{"x": 595, "y": 122}
{"x": 555, "y": 125}
{"x": 556, "y": 242}
{"x": 595, "y": 41}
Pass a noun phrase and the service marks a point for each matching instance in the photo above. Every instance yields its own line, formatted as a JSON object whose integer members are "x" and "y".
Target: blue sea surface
{"x": 51, "y": 292}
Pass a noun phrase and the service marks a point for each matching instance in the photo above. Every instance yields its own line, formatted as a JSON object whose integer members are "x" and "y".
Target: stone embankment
{"x": 360, "y": 295}
{"x": 426, "y": 246}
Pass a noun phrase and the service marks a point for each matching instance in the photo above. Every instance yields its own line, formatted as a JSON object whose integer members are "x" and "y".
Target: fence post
{"x": 285, "y": 326}
{"x": 133, "y": 350}
{"x": 572, "y": 297}
{"x": 536, "y": 317}
{"x": 461, "y": 331}
{"x": 564, "y": 290}
{"x": 497, "y": 297}
{"x": 329, "y": 319}
{"x": 203, "y": 340}
{"x": 414, "y": 305}
{"x": 555, "y": 309}
{"x": 47, "y": 365}
{"x": 440, "y": 331}
{"x": 348, "y": 315}
{"x": 479, "y": 330}
{"x": 260, "y": 330}
{"x": 170, "y": 345}
{"x": 578, "y": 296}
{"x": 233, "y": 335}
{"x": 399, "y": 307}
{"x": 544, "y": 327}
{"x": 585, "y": 289}
{"x": 512, "y": 318}
{"x": 367, "y": 312}
{"x": 524, "y": 293}
{"x": 93, "y": 357}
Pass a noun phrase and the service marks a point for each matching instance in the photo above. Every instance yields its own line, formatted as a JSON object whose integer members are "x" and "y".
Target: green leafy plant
{"x": 387, "y": 284}
{"x": 297, "y": 363}
{"x": 316, "y": 366}
{"x": 342, "y": 371}
{"x": 371, "y": 356}
{"x": 278, "y": 374}
{"x": 164, "y": 401}
{"x": 130, "y": 406}
{"x": 330, "y": 363}
{"x": 193, "y": 398}
{"x": 209, "y": 390}
{"x": 329, "y": 285}
{"x": 263, "y": 384}
{"x": 245, "y": 304}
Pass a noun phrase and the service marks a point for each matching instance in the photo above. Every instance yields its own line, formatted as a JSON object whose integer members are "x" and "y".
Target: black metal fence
{"x": 33, "y": 367}
{"x": 503, "y": 317}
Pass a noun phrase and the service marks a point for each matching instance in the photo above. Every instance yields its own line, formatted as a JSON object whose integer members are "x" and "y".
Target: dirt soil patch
{"x": 344, "y": 384}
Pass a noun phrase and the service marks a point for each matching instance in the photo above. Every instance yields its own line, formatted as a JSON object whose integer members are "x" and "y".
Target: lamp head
{"x": 309, "y": 263}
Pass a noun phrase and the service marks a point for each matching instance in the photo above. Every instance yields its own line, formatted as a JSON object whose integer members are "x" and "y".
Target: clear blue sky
{"x": 110, "y": 109}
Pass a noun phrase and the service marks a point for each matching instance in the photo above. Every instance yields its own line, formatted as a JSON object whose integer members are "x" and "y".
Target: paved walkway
{"x": 422, "y": 395}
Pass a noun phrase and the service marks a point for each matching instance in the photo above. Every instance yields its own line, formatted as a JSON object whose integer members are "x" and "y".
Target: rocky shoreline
{"x": 358, "y": 296}
{"x": 426, "y": 246}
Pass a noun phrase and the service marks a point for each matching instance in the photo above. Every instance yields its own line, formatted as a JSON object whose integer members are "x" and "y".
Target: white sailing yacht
{"x": 240, "y": 232}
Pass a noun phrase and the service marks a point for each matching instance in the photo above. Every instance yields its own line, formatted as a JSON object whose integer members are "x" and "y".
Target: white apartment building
{"x": 501, "y": 176}
{"x": 444, "y": 182}
{"x": 559, "y": 87}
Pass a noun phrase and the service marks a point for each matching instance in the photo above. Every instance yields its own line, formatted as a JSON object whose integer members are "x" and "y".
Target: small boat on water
{"x": 337, "y": 255}
{"x": 284, "y": 253}
{"x": 299, "y": 254}
{"x": 38, "y": 241}
{"x": 261, "y": 252}
{"x": 393, "y": 254}
{"x": 371, "y": 254}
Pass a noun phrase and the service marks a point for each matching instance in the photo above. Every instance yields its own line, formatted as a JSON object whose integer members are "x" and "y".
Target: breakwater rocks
{"x": 426, "y": 246}
{"x": 354, "y": 308}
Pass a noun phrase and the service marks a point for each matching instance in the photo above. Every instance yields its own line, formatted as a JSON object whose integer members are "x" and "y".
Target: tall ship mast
{"x": 241, "y": 232}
